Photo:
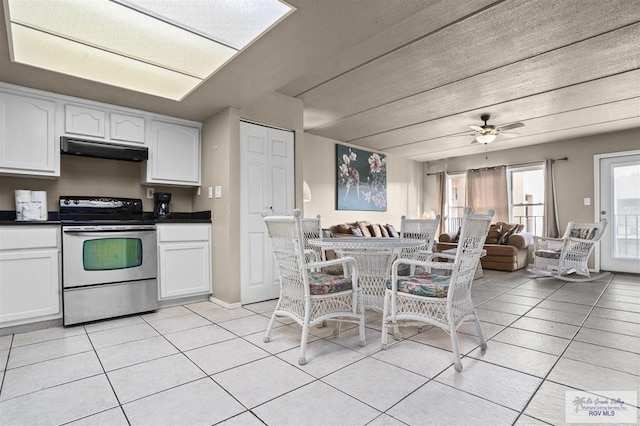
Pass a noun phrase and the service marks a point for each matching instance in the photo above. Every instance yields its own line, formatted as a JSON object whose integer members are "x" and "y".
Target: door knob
{"x": 603, "y": 212}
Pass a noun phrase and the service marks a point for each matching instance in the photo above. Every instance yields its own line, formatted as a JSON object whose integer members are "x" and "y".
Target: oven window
{"x": 107, "y": 254}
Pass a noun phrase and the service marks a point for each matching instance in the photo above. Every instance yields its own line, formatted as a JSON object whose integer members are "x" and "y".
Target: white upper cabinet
{"x": 128, "y": 128}
{"x": 103, "y": 124}
{"x": 27, "y": 136}
{"x": 174, "y": 154}
{"x": 32, "y": 122}
{"x": 80, "y": 120}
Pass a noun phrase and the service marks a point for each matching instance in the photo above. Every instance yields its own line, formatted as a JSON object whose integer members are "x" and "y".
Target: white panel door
{"x": 619, "y": 203}
{"x": 267, "y": 187}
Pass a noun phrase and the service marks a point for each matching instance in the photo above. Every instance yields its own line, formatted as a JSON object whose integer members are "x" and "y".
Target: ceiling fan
{"x": 487, "y": 133}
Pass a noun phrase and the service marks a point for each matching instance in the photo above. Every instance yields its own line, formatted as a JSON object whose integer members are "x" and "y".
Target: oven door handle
{"x": 93, "y": 232}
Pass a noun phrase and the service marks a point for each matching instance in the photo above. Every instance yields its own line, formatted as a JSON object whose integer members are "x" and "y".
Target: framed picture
{"x": 361, "y": 179}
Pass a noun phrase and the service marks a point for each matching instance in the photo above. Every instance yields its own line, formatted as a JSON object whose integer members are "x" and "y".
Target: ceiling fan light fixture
{"x": 485, "y": 139}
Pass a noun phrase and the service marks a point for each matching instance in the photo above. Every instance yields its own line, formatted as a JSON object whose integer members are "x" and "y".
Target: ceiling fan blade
{"x": 509, "y": 134}
{"x": 510, "y": 126}
{"x": 477, "y": 128}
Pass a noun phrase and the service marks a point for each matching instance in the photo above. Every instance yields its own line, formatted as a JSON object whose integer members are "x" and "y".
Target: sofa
{"x": 361, "y": 229}
{"x": 358, "y": 229}
{"x": 508, "y": 248}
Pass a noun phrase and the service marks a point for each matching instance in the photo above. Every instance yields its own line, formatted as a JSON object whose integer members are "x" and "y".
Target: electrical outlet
{"x": 150, "y": 192}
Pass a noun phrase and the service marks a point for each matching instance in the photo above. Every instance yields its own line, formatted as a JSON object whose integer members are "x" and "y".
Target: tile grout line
{"x": 545, "y": 378}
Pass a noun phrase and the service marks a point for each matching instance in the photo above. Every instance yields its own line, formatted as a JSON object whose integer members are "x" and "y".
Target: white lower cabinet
{"x": 184, "y": 260}
{"x": 29, "y": 274}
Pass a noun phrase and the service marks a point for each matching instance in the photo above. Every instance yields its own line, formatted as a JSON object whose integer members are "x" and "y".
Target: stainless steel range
{"x": 109, "y": 258}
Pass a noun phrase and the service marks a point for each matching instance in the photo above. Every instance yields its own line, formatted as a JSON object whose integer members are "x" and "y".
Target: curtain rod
{"x": 510, "y": 165}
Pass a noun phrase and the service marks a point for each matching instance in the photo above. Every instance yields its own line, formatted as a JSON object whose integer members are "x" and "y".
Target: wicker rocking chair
{"x": 566, "y": 258}
{"x": 440, "y": 300}
{"x": 307, "y": 296}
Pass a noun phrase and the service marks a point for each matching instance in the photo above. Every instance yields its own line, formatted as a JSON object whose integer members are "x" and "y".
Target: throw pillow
{"x": 374, "y": 228}
{"x": 357, "y": 232}
{"x": 504, "y": 238}
{"x": 392, "y": 231}
{"x": 343, "y": 228}
{"x": 494, "y": 233}
{"x": 364, "y": 227}
{"x": 383, "y": 230}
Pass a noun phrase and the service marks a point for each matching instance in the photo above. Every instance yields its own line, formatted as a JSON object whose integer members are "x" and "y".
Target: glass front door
{"x": 620, "y": 205}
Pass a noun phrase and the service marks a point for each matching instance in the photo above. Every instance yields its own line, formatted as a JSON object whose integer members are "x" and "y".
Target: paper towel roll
{"x": 23, "y": 199}
{"x": 39, "y": 200}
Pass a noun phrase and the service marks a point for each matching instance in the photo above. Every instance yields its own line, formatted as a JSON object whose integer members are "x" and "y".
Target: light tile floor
{"x": 204, "y": 364}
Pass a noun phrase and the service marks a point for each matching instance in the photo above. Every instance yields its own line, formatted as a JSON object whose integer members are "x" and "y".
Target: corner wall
{"x": 221, "y": 167}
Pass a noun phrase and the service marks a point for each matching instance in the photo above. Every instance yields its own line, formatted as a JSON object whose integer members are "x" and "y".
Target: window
{"x": 455, "y": 201}
{"x": 526, "y": 197}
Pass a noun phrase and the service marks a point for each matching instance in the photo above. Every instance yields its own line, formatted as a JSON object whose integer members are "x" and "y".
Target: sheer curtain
{"x": 441, "y": 190}
{"x": 487, "y": 189}
{"x": 550, "y": 220}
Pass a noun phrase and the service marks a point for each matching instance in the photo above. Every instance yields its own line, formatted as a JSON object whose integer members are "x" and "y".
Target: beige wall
{"x": 574, "y": 177}
{"x": 93, "y": 176}
{"x": 404, "y": 186}
{"x": 221, "y": 167}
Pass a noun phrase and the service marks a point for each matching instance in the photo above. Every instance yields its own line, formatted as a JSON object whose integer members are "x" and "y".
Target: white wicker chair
{"x": 374, "y": 265}
{"x": 306, "y": 296}
{"x": 566, "y": 258}
{"x": 440, "y": 300}
{"x": 311, "y": 229}
{"x": 421, "y": 229}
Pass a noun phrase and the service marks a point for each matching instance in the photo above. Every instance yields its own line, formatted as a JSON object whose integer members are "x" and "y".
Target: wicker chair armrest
{"x": 440, "y": 255}
{"x": 548, "y": 243}
{"x": 426, "y": 265}
{"x": 339, "y": 261}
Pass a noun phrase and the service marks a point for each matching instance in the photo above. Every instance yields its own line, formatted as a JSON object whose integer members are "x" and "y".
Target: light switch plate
{"x": 150, "y": 192}
{"x": 218, "y": 192}
{"x": 210, "y": 191}
{"x": 587, "y": 201}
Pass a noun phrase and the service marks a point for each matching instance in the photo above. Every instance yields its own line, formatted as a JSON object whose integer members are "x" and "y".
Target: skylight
{"x": 165, "y": 48}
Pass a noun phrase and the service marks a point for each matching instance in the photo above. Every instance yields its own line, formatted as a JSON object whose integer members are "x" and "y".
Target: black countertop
{"x": 8, "y": 217}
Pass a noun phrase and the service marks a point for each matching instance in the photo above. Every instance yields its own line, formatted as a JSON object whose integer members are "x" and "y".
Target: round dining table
{"x": 374, "y": 256}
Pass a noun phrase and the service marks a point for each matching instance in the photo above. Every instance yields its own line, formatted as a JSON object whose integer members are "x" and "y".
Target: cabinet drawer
{"x": 29, "y": 237}
{"x": 183, "y": 232}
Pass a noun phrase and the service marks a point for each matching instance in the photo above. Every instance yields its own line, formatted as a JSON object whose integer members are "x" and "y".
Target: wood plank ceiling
{"x": 408, "y": 77}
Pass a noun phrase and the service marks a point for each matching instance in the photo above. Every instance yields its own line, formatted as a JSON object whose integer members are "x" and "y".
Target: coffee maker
{"x": 161, "y": 209}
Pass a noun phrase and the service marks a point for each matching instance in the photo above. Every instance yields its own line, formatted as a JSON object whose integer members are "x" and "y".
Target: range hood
{"x": 88, "y": 148}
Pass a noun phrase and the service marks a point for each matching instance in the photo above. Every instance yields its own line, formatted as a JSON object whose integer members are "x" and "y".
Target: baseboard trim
{"x": 225, "y": 304}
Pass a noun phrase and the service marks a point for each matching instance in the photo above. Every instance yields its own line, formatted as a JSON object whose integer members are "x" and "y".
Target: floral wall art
{"x": 361, "y": 181}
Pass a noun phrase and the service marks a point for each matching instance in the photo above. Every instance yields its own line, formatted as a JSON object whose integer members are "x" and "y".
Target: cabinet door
{"x": 174, "y": 154}
{"x": 80, "y": 120}
{"x": 127, "y": 128}
{"x": 27, "y": 136}
{"x": 184, "y": 269}
{"x": 29, "y": 286}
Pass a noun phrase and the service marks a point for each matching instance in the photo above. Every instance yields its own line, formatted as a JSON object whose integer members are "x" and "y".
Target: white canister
{"x": 23, "y": 200}
{"x": 39, "y": 201}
